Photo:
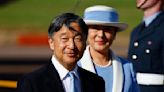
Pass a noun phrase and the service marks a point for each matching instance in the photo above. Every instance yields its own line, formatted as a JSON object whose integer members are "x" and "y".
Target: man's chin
{"x": 71, "y": 60}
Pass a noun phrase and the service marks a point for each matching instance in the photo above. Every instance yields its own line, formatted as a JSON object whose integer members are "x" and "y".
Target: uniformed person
{"x": 146, "y": 49}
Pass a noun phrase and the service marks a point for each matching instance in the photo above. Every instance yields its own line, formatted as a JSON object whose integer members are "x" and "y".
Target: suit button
{"x": 149, "y": 42}
{"x": 147, "y": 51}
{"x": 134, "y": 57}
{"x": 136, "y": 44}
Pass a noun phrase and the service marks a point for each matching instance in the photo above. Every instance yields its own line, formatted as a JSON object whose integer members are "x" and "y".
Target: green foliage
{"x": 39, "y": 13}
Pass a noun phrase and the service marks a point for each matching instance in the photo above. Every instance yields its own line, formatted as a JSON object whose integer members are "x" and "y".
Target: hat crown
{"x": 101, "y": 13}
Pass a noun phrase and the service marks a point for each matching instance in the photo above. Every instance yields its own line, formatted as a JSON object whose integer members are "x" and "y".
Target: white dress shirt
{"x": 63, "y": 74}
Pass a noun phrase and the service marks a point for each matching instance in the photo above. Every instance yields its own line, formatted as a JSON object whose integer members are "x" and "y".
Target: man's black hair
{"x": 66, "y": 19}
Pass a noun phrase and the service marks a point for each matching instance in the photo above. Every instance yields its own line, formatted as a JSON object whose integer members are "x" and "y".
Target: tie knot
{"x": 143, "y": 24}
{"x": 71, "y": 74}
{"x": 142, "y": 27}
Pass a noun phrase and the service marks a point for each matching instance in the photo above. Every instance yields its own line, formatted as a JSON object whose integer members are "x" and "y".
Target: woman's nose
{"x": 100, "y": 33}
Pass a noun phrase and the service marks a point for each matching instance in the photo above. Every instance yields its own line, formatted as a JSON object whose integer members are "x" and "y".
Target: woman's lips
{"x": 100, "y": 42}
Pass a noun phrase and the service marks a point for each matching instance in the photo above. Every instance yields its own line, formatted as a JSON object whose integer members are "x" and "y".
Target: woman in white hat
{"x": 117, "y": 72}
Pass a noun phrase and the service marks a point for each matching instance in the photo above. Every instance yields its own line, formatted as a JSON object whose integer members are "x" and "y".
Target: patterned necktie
{"x": 73, "y": 81}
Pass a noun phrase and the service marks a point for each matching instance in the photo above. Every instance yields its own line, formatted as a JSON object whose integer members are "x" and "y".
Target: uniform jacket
{"x": 152, "y": 40}
{"x": 47, "y": 79}
{"x": 124, "y": 79}
{"x": 146, "y": 48}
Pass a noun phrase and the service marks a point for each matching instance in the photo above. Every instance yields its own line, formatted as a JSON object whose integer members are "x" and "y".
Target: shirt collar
{"x": 62, "y": 70}
{"x": 149, "y": 19}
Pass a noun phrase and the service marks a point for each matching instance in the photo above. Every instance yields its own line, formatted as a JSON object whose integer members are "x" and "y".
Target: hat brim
{"x": 119, "y": 25}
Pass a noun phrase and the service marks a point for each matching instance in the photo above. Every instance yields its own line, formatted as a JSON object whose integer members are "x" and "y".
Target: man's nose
{"x": 71, "y": 44}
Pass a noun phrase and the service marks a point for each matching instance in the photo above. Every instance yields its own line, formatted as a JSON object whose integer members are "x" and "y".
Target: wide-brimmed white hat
{"x": 103, "y": 15}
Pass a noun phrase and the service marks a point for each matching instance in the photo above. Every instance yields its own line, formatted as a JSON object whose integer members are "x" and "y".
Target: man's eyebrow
{"x": 62, "y": 34}
{"x": 71, "y": 28}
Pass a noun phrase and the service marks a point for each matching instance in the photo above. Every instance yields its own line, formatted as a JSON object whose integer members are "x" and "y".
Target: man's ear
{"x": 51, "y": 43}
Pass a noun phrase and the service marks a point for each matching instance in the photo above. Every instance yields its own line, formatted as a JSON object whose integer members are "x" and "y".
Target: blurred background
{"x": 23, "y": 32}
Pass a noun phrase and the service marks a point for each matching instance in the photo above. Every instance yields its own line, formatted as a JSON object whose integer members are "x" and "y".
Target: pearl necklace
{"x": 103, "y": 66}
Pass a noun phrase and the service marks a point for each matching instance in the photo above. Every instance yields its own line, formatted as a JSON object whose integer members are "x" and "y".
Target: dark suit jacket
{"x": 47, "y": 79}
{"x": 150, "y": 50}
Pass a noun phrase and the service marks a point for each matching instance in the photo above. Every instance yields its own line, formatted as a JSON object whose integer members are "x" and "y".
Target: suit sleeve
{"x": 24, "y": 85}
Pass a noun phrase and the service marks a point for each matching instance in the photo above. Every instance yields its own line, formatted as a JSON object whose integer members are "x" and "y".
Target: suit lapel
{"x": 53, "y": 81}
{"x": 138, "y": 31}
{"x": 149, "y": 30}
{"x": 83, "y": 82}
{"x": 118, "y": 77}
{"x": 86, "y": 61}
{"x": 146, "y": 31}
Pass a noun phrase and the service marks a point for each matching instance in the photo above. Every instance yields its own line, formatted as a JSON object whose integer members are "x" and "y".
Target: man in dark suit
{"x": 146, "y": 48}
{"x": 67, "y": 40}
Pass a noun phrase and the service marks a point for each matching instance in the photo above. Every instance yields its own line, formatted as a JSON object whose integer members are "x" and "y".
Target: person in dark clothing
{"x": 67, "y": 39}
{"x": 146, "y": 49}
